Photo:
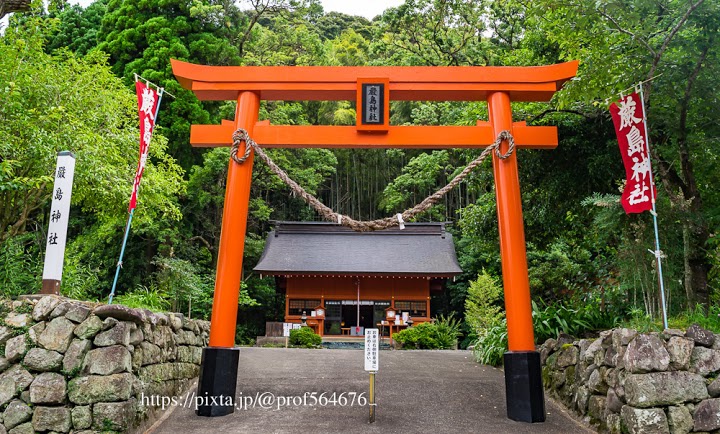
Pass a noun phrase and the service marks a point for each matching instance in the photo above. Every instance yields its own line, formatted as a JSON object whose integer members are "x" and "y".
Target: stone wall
{"x": 68, "y": 366}
{"x": 631, "y": 382}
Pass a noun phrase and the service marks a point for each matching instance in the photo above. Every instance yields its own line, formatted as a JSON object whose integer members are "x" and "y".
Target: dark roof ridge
{"x": 414, "y": 228}
{"x": 421, "y": 249}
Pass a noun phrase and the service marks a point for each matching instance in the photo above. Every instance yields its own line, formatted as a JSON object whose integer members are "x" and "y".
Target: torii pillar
{"x": 373, "y": 88}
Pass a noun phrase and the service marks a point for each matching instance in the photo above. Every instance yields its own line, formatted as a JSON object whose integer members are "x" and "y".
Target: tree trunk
{"x": 687, "y": 274}
{"x": 698, "y": 263}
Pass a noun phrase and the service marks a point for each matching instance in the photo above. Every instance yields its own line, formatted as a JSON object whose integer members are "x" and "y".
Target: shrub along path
{"x": 417, "y": 391}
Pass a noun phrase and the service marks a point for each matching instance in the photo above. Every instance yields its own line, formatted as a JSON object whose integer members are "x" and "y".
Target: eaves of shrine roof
{"x": 315, "y": 248}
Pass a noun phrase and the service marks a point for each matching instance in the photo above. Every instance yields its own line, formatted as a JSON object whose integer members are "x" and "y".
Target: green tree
{"x": 435, "y": 33}
{"x": 675, "y": 44}
{"x": 77, "y": 28}
{"x": 61, "y": 101}
{"x": 349, "y": 49}
{"x": 332, "y": 24}
{"x": 287, "y": 43}
{"x": 57, "y": 102}
{"x": 482, "y": 308}
{"x": 141, "y": 37}
{"x": 260, "y": 10}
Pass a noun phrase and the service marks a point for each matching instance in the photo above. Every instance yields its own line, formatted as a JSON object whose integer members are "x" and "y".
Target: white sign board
{"x": 372, "y": 345}
{"x": 287, "y": 326}
{"x": 59, "y": 213}
{"x": 296, "y": 326}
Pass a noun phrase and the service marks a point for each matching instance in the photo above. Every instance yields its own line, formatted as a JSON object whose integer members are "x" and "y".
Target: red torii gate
{"x": 373, "y": 88}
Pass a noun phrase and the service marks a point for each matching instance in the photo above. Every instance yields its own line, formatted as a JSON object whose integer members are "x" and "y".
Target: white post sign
{"x": 372, "y": 345}
{"x": 57, "y": 229}
{"x": 287, "y": 326}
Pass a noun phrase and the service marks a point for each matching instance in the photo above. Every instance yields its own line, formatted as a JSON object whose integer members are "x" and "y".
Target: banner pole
{"x": 122, "y": 253}
{"x": 132, "y": 211}
{"x": 657, "y": 252}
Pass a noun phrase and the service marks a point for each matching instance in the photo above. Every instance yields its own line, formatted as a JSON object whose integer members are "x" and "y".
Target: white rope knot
{"x": 241, "y": 135}
{"x": 339, "y": 217}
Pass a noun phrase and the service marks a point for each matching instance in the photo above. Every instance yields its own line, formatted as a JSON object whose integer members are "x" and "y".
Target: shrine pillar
{"x": 218, "y": 371}
{"x": 523, "y": 375}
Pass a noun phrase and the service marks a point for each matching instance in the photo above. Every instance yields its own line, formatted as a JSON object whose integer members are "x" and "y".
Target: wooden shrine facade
{"x": 340, "y": 279}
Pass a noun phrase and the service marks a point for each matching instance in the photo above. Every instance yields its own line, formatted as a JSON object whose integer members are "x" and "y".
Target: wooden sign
{"x": 57, "y": 229}
{"x": 373, "y": 104}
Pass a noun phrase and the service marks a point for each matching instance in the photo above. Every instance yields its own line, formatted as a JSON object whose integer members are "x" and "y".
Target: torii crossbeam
{"x": 372, "y": 88}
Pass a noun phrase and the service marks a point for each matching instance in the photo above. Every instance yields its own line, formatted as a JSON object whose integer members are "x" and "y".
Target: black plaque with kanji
{"x": 373, "y": 103}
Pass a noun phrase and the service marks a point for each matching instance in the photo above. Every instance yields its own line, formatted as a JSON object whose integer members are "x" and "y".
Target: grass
{"x": 272, "y": 345}
{"x": 24, "y": 308}
{"x": 643, "y": 323}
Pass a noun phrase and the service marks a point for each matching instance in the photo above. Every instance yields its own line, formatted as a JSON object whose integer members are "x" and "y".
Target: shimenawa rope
{"x": 328, "y": 214}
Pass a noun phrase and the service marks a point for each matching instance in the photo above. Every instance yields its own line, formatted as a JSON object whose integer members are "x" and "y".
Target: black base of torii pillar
{"x": 524, "y": 394}
{"x": 218, "y": 382}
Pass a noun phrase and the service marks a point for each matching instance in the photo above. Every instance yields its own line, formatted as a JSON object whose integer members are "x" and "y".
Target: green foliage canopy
{"x": 61, "y": 101}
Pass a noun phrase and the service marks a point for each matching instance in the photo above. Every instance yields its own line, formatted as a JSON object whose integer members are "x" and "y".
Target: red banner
{"x": 629, "y": 119}
{"x": 147, "y": 107}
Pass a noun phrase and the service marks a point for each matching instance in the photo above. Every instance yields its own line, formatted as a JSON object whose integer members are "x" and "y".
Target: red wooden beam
{"x": 411, "y": 83}
{"x": 417, "y": 137}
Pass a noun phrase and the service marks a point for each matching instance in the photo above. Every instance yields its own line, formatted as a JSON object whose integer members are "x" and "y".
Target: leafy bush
{"x": 709, "y": 320}
{"x": 447, "y": 330}
{"x": 482, "y": 306}
{"x": 639, "y": 320}
{"x": 304, "y": 337}
{"x": 442, "y": 334}
{"x": 642, "y": 322}
{"x": 421, "y": 336}
{"x": 20, "y": 265}
{"x": 550, "y": 320}
{"x": 484, "y": 314}
{"x": 245, "y": 335}
{"x": 469, "y": 338}
{"x": 492, "y": 344}
{"x": 558, "y": 270}
{"x": 82, "y": 282}
{"x": 185, "y": 285}
{"x": 145, "y": 298}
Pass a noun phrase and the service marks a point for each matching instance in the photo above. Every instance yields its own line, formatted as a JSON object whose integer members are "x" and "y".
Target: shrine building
{"x": 341, "y": 280}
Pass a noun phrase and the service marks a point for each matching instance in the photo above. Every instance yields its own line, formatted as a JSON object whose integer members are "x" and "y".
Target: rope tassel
{"x": 328, "y": 214}
{"x": 401, "y": 222}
